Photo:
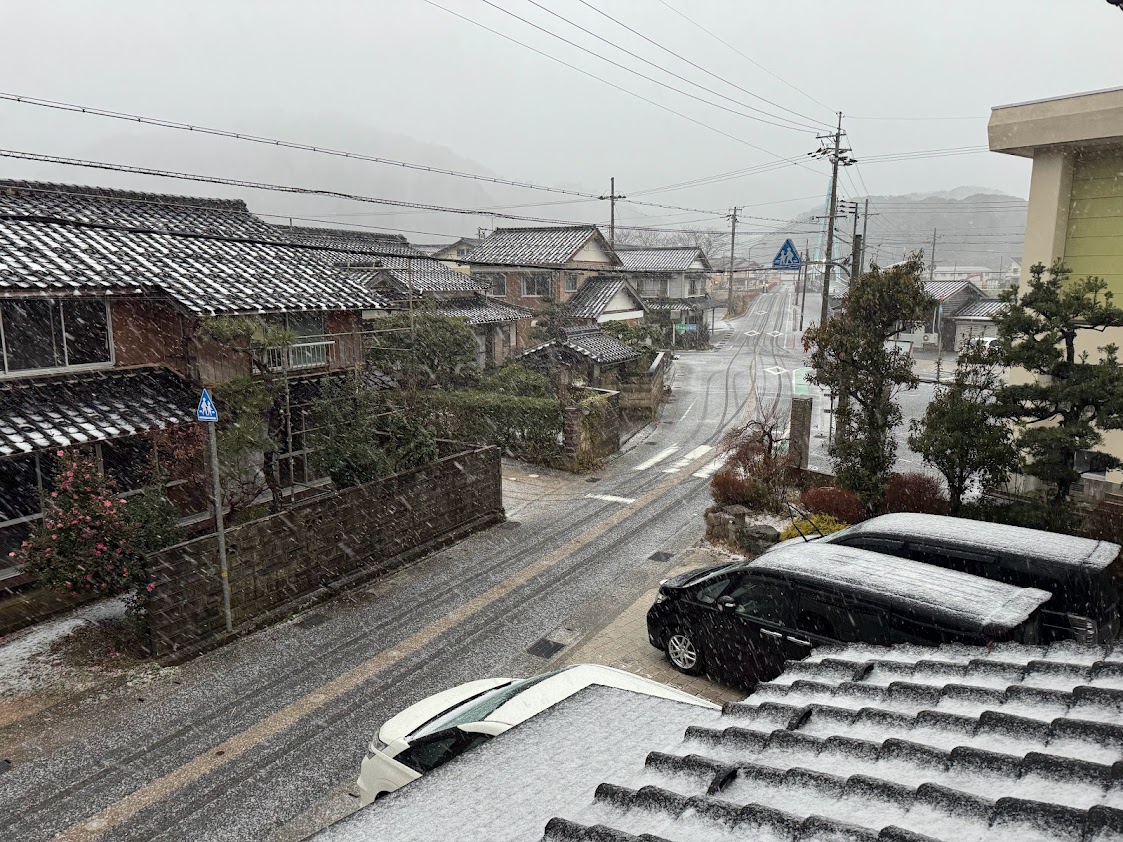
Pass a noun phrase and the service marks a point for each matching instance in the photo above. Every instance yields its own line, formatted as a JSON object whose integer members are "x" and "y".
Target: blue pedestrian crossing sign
{"x": 206, "y": 411}
{"x": 787, "y": 259}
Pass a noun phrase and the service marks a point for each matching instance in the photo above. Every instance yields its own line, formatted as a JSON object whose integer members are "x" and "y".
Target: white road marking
{"x": 710, "y": 469}
{"x": 610, "y": 498}
{"x": 688, "y": 458}
{"x": 655, "y": 460}
{"x": 688, "y": 410}
{"x": 776, "y": 370}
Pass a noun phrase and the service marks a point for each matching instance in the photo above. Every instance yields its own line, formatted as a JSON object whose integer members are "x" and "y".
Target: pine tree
{"x": 1072, "y": 395}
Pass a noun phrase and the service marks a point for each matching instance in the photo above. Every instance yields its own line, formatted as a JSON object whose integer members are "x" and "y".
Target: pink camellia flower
{"x": 151, "y": 587}
{"x": 125, "y": 570}
{"x": 59, "y": 453}
{"x": 109, "y": 504}
{"x": 12, "y": 554}
{"x": 122, "y": 500}
{"x": 54, "y": 494}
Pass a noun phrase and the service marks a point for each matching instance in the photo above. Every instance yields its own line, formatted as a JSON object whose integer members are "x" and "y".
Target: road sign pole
{"x": 207, "y": 414}
{"x": 220, "y": 531}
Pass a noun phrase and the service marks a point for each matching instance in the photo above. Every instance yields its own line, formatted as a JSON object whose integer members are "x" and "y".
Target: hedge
{"x": 526, "y": 428}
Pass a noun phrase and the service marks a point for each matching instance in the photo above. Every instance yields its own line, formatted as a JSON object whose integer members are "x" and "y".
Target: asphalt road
{"x": 262, "y": 740}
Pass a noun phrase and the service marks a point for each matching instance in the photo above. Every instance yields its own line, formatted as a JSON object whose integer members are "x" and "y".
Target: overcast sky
{"x": 398, "y": 77}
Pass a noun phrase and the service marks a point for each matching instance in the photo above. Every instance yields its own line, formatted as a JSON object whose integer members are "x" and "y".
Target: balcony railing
{"x": 299, "y": 355}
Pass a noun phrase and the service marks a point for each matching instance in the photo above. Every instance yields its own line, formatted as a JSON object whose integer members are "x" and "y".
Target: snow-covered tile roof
{"x": 590, "y": 342}
{"x": 982, "y": 308}
{"x": 942, "y": 290}
{"x": 854, "y": 744}
{"x": 970, "y": 602}
{"x": 393, "y": 255}
{"x": 592, "y": 299}
{"x": 548, "y": 246}
{"x": 480, "y": 309}
{"x": 208, "y": 255}
{"x": 669, "y": 259}
{"x": 42, "y": 413}
{"x": 696, "y": 302}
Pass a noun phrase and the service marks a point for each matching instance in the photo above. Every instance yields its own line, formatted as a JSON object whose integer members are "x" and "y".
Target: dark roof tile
{"x": 42, "y": 413}
{"x": 542, "y": 246}
{"x": 207, "y": 255}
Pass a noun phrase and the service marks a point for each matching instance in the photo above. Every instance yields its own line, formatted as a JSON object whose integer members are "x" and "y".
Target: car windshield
{"x": 480, "y": 707}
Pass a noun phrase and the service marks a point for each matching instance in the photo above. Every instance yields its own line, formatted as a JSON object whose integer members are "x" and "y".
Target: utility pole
{"x": 732, "y": 243}
{"x": 932, "y": 259}
{"x": 804, "y": 273}
{"x": 865, "y": 227}
{"x": 612, "y": 197}
{"x": 855, "y": 248}
{"x": 837, "y": 157}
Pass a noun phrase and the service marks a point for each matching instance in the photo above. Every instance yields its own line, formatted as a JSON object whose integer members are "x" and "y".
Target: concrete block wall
{"x": 353, "y": 534}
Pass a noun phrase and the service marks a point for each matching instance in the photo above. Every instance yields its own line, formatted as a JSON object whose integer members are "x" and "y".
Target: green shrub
{"x": 527, "y": 428}
{"x": 517, "y": 380}
{"x": 811, "y": 528}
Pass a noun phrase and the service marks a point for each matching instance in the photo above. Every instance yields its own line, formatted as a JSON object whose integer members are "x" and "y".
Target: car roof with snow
{"x": 966, "y": 601}
{"x": 853, "y": 744}
{"x": 1053, "y": 548}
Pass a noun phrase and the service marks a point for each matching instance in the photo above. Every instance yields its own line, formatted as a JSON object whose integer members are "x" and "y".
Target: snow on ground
{"x": 27, "y": 664}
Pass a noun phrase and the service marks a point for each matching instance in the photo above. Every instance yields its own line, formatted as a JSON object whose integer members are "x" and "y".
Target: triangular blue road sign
{"x": 206, "y": 411}
{"x": 787, "y": 259}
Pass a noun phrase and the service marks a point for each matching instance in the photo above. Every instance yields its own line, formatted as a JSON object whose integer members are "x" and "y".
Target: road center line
{"x": 224, "y": 753}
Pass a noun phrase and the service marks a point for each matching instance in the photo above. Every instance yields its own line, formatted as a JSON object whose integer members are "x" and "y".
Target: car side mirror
{"x": 726, "y": 603}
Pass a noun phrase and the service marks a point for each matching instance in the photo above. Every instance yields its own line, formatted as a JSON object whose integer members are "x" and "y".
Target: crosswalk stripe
{"x": 688, "y": 458}
{"x": 710, "y": 469}
{"x": 610, "y": 498}
{"x": 655, "y": 460}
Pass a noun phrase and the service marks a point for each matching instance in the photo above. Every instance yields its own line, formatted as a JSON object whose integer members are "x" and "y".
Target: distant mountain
{"x": 181, "y": 151}
{"x": 974, "y": 226}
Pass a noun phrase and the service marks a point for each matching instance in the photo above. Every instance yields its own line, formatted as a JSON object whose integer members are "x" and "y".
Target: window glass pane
{"x": 19, "y": 494}
{"x": 87, "y": 334}
{"x": 429, "y": 754}
{"x": 30, "y": 335}
{"x": 570, "y": 282}
{"x": 306, "y": 324}
{"x": 756, "y": 600}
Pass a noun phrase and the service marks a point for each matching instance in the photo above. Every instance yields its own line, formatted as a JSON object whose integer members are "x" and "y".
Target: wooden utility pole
{"x": 830, "y": 222}
{"x": 732, "y": 244}
{"x": 855, "y": 248}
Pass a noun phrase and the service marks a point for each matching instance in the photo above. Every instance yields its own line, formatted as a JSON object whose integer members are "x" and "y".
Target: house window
{"x": 43, "y": 334}
{"x": 309, "y": 348}
{"x": 462, "y": 252}
{"x": 536, "y": 285}
{"x": 695, "y": 285}
{"x": 571, "y": 282}
{"x": 496, "y": 282}
{"x": 654, "y": 287}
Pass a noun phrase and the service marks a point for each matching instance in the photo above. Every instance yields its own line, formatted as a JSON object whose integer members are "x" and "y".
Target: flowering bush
{"x": 813, "y": 528}
{"x": 87, "y": 541}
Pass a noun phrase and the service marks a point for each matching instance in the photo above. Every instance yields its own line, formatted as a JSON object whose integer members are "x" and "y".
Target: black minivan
{"x": 1079, "y": 572}
{"x": 744, "y": 620}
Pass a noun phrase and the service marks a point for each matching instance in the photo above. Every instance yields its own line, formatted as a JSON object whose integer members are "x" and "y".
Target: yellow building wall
{"x": 1094, "y": 240}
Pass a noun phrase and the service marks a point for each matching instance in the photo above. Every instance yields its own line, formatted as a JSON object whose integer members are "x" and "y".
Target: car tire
{"x": 683, "y": 653}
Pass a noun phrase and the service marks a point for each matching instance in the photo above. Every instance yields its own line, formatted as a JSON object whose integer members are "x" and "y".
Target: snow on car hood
{"x": 416, "y": 715}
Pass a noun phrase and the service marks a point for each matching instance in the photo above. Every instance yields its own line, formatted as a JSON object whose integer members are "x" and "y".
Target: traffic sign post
{"x": 787, "y": 258}
{"x": 207, "y": 413}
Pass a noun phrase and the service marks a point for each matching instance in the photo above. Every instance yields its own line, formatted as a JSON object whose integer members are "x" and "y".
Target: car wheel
{"x": 683, "y": 653}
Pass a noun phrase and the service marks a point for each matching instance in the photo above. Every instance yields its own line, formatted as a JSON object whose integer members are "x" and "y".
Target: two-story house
{"x": 105, "y": 298}
{"x": 453, "y": 254}
{"x": 531, "y": 267}
{"x": 674, "y": 280}
{"x": 401, "y": 274}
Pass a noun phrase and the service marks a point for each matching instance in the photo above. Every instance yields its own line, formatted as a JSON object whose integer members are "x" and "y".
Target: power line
{"x": 147, "y": 171}
{"x": 272, "y": 141}
{"x": 698, "y": 66}
{"x": 747, "y": 58}
{"x": 602, "y": 80}
{"x": 793, "y": 125}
